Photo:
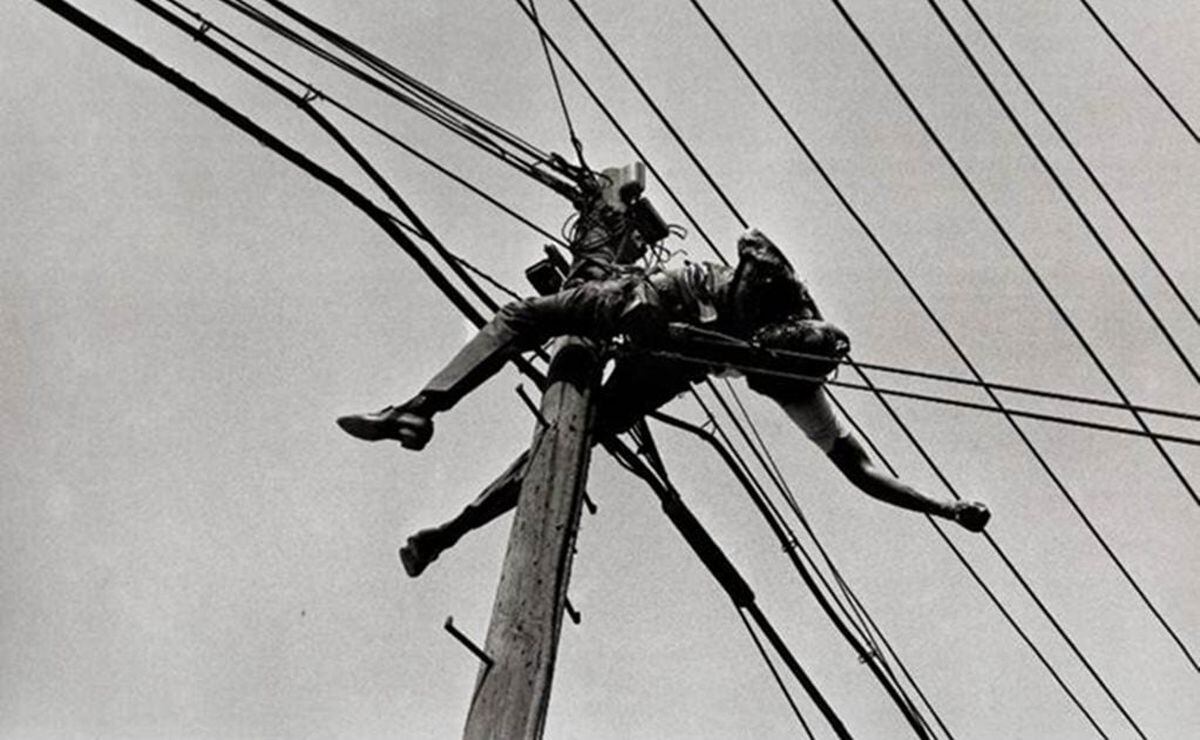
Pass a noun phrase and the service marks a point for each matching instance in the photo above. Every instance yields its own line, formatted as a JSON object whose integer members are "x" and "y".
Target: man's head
{"x": 765, "y": 286}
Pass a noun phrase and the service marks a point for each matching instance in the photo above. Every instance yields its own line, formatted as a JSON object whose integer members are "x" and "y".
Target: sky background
{"x": 191, "y": 548}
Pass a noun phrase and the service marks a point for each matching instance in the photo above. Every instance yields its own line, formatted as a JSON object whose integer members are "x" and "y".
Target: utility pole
{"x": 513, "y": 689}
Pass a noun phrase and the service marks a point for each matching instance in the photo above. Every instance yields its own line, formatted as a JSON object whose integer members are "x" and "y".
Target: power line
{"x": 715, "y": 560}
{"x": 386, "y": 221}
{"x": 1019, "y": 413}
{"x": 945, "y": 400}
{"x": 733, "y": 209}
{"x": 978, "y": 579}
{"x": 1016, "y": 250}
{"x": 658, "y": 112}
{"x": 762, "y": 651}
{"x": 1062, "y": 188}
{"x": 405, "y": 89}
{"x": 1125, "y": 52}
{"x": 1012, "y": 568}
{"x": 304, "y": 104}
{"x": 1082, "y": 163}
{"x": 870, "y": 657}
{"x": 773, "y": 361}
{"x": 791, "y": 546}
{"x": 408, "y": 81}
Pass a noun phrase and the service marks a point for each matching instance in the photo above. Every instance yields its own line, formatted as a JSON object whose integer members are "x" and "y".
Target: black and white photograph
{"x": 688, "y": 369}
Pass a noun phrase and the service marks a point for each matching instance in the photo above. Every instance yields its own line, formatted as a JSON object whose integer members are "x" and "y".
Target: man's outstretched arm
{"x": 809, "y": 408}
{"x": 854, "y": 462}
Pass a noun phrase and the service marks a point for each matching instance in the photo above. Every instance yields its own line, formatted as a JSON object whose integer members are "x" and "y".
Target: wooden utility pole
{"x": 513, "y": 690}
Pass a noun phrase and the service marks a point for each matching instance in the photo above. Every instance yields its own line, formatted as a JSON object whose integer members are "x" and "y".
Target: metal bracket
{"x": 575, "y": 616}
{"x": 467, "y": 643}
{"x": 532, "y": 406}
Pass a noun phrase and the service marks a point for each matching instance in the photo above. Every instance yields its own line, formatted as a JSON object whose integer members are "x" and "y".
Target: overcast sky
{"x": 191, "y": 548}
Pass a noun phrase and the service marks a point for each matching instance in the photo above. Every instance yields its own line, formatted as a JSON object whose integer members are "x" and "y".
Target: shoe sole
{"x": 411, "y": 437}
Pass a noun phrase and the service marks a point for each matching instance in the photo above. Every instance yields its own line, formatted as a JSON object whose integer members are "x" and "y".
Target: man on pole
{"x": 761, "y": 299}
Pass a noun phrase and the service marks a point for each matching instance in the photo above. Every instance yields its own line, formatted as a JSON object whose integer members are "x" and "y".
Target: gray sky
{"x": 192, "y": 549}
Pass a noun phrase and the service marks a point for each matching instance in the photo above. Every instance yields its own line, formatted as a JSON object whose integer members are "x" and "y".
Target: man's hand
{"x": 972, "y": 515}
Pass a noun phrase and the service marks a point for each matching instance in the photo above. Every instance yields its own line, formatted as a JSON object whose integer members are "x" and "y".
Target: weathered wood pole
{"x": 512, "y": 694}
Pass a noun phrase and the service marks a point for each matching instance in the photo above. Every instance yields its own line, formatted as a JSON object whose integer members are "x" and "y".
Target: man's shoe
{"x": 972, "y": 515}
{"x": 418, "y": 553}
{"x": 411, "y": 429}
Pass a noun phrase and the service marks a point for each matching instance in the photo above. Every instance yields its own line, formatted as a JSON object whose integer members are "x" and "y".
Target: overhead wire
{"x": 996, "y": 547}
{"x": 987, "y": 590}
{"x": 1006, "y": 237}
{"x": 1062, "y": 188}
{"x": 388, "y": 222}
{"x": 1141, "y": 72}
{"x": 945, "y": 400}
{"x": 333, "y": 132}
{"x": 762, "y": 651}
{"x": 871, "y": 656}
{"x": 322, "y": 96}
{"x": 727, "y": 575}
{"x": 775, "y": 361}
{"x": 400, "y": 87}
{"x": 1109, "y": 552}
{"x": 1083, "y": 164}
{"x": 653, "y": 105}
{"x": 396, "y": 74}
{"x": 1010, "y": 565}
{"x": 867, "y": 624}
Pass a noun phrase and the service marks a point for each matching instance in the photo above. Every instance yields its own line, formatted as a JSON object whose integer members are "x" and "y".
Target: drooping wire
{"x": 1062, "y": 188}
{"x": 1142, "y": 72}
{"x": 1037, "y": 101}
{"x": 1007, "y": 238}
{"x": 773, "y": 361}
{"x": 1179, "y": 439}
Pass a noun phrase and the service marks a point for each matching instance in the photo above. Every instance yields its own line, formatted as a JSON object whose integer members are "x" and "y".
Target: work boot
{"x": 407, "y": 423}
{"x": 420, "y": 550}
{"x": 972, "y": 515}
